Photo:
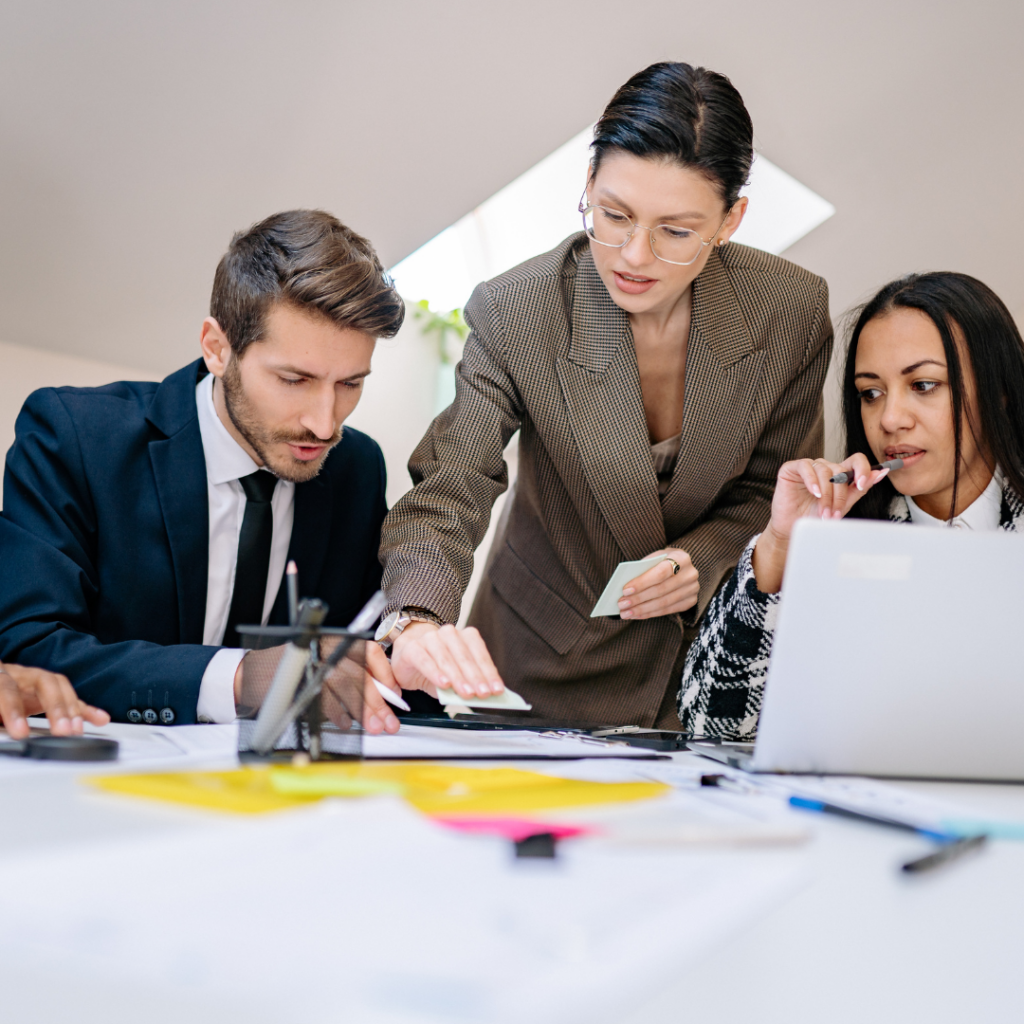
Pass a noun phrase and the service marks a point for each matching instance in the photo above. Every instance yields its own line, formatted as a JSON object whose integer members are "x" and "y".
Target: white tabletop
{"x": 852, "y": 940}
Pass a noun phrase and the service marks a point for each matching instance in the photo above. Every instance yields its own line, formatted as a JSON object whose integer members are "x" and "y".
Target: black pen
{"x": 848, "y": 478}
{"x": 944, "y": 854}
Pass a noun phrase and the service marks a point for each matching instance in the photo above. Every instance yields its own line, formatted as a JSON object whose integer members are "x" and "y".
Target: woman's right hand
{"x": 804, "y": 489}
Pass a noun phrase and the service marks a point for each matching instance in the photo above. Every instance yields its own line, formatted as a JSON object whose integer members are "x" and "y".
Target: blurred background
{"x": 136, "y": 138}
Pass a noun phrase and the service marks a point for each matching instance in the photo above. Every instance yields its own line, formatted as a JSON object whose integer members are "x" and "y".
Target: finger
{"x": 669, "y": 604}
{"x": 52, "y": 699}
{"x": 70, "y": 701}
{"x": 12, "y": 708}
{"x": 459, "y": 665}
{"x": 873, "y": 477}
{"x": 648, "y": 579}
{"x": 685, "y": 578}
{"x": 652, "y": 577}
{"x": 95, "y": 716}
{"x": 416, "y": 668}
{"x": 379, "y": 666}
{"x": 478, "y": 649}
{"x": 805, "y": 470}
{"x": 673, "y": 585}
{"x": 823, "y": 474}
{"x": 377, "y": 716}
{"x": 859, "y": 466}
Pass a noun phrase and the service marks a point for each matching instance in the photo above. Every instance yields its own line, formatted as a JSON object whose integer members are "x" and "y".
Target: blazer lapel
{"x": 311, "y": 534}
{"x": 601, "y": 387}
{"x": 723, "y": 369}
{"x": 179, "y": 469}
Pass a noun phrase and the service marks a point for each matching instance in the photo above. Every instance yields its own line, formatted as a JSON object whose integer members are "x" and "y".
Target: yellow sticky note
{"x": 432, "y": 788}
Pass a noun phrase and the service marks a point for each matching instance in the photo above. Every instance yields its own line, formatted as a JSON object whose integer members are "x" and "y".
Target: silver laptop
{"x": 899, "y": 651}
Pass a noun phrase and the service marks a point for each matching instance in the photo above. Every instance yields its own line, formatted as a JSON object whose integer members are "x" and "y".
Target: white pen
{"x": 390, "y": 696}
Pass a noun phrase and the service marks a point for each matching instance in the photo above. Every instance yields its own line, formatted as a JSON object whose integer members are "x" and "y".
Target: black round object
{"x": 71, "y": 748}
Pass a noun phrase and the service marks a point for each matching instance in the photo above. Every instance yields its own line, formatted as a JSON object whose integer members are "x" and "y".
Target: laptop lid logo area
{"x": 856, "y": 566}
{"x": 896, "y": 654}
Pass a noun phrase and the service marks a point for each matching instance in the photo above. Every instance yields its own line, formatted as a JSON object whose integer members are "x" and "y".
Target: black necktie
{"x": 253, "y": 556}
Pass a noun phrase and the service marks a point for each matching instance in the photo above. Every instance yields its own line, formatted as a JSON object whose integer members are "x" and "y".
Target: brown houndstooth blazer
{"x": 550, "y": 354}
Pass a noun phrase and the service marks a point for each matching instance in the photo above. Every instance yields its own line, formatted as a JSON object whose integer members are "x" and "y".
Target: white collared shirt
{"x": 981, "y": 516}
{"x": 226, "y": 463}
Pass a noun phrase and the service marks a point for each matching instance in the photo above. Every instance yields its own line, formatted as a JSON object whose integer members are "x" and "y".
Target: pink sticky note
{"x": 515, "y": 829}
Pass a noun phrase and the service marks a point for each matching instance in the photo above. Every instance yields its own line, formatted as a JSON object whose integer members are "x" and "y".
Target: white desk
{"x": 857, "y": 942}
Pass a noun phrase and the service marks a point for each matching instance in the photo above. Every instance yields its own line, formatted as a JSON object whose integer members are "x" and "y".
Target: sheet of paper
{"x": 872, "y": 796}
{"x": 427, "y": 741}
{"x": 256, "y": 914}
{"x": 140, "y": 746}
{"x": 608, "y": 602}
{"x": 507, "y": 700}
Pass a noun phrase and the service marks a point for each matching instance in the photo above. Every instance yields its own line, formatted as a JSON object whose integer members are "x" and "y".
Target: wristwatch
{"x": 392, "y": 625}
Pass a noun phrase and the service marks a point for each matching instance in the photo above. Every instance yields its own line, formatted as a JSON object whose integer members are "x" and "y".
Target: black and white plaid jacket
{"x": 726, "y": 666}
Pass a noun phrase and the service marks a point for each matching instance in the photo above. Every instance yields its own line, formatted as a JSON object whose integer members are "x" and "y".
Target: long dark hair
{"x": 957, "y": 305}
{"x": 690, "y": 115}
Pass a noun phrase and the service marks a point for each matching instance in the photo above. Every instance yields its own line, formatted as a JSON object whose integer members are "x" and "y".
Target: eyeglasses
{"x": 669, "y": 243}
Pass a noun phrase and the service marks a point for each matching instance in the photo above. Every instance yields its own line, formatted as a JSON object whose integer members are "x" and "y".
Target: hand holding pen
{"x": 810, "y": 487}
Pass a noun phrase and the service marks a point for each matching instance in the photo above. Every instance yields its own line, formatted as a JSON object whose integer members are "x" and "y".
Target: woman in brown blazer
{"x": 658, "y": 376}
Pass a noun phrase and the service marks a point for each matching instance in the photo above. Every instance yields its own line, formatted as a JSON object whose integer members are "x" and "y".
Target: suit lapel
{"x": 179, "y": 469}
{"x": 600, "y": 384}
{"x": 722, "y": 373}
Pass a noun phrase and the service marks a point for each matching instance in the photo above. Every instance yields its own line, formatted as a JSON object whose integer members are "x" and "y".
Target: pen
{"x": 390, "y": 696}
{"x": 848, "y": 478}
{"x": 291, "y": 575}
{"x": 944, "y": 854}
{"x": 845, "y": 812}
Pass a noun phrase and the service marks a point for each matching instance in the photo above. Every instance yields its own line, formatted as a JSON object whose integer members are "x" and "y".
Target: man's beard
{"x": 248, "y": 424}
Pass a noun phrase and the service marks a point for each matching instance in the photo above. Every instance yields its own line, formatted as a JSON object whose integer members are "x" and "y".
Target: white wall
{"x": 23, "y": 370}
{"x": 397, "y": 407}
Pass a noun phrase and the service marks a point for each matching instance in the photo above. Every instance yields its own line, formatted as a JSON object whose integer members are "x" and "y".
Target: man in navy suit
{"x": 142, "y": 523}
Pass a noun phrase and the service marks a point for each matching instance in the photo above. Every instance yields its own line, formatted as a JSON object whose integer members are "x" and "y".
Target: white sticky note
{"x": 507, "y": 700}
{"x": 608, "y": 602}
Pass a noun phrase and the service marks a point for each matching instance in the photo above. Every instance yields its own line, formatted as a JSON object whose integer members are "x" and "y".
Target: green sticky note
{"x": 302, "y": 783}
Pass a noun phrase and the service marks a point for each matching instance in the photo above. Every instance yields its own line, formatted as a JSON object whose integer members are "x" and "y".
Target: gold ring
{"x": 676, "y": 565}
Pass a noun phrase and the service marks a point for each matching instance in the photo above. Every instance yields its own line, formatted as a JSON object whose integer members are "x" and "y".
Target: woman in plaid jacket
{"x": 934, "y": 377}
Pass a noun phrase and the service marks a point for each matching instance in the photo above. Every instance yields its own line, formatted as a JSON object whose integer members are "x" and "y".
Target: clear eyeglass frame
{"x": 587, "y": 211}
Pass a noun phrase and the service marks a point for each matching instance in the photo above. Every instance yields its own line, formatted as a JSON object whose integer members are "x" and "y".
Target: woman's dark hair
{"x": 958, "y": 306}
{"x": 690, "y": 115}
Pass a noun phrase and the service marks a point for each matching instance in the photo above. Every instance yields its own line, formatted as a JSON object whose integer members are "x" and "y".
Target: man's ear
{"x": 216, "y": 347}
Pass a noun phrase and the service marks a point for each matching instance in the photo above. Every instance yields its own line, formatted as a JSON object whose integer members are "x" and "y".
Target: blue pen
{"x": 821, "y": 807}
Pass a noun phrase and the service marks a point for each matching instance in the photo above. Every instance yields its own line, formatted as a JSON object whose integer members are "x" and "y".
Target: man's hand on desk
{"x": 377, "y": 715}
{"x": 29, "y": 691}
{"x": 428, "y": 657}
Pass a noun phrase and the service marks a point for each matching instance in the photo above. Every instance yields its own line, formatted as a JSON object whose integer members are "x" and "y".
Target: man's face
{"x": 289, "y": 394}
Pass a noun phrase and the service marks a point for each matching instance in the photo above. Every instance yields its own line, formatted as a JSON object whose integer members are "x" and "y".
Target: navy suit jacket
{"x": 104, "y": 540}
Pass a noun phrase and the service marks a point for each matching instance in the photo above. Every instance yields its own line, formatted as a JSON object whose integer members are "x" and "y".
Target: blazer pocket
{"x": 551, "y": 617}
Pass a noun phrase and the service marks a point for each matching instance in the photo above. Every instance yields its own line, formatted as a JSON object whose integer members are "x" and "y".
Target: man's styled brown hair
{"x": 309, "y": 260}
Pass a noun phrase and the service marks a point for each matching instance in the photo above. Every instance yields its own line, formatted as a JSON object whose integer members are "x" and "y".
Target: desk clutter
{"x": 558, "y": 881}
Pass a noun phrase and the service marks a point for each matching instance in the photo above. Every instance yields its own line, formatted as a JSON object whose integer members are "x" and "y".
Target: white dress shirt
{"x": 226, "y": 463}
{"x": 982, "y": 515}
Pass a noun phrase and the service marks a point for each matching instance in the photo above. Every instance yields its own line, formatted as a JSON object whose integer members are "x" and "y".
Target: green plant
{"x": 450, "y": 330}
